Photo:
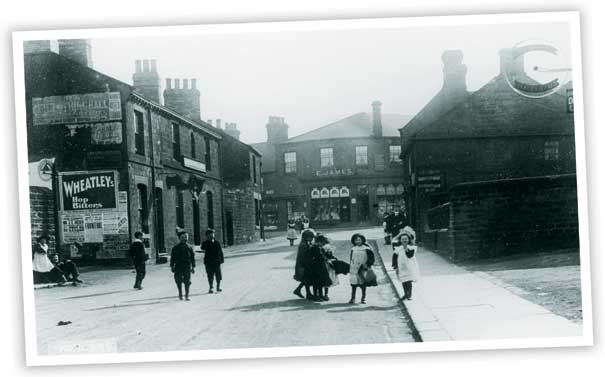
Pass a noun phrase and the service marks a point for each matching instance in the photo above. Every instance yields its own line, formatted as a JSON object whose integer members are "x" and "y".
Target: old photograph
{"x": 302, "y": 188}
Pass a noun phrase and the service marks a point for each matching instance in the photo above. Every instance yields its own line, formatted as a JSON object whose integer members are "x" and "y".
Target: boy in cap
{"x": 182, "y": 263}
{"x": 213, "y": 258}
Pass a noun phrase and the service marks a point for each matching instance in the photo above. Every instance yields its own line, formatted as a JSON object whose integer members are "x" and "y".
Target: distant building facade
{"x": 490, "y": 172}
{"x": 345, "y": 173}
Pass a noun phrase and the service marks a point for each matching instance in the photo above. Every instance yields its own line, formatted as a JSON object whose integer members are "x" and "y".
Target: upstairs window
{"x": 551, "y": 150}
{"x": 176, "y": 142}
{"x": 192, "y": 145}
{"x": 143, "y": 209}
{"x": 180, "y": 215}
{"x": 290, "y": 162}
{"x": 361, "y": 155}
{"x": 395, "y": 153}
{"x": 254, "y": 179}
{"x": 207, "y": 156}
{"x": 139, "y": 133}
{"x": 326, "y": 156}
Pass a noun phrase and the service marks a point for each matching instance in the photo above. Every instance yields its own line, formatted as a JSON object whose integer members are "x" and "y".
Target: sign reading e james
{"x": 77, "y": 108}
{"x": 88, "y": 190}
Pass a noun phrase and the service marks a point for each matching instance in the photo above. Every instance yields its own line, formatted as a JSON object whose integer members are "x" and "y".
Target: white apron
{"x": 359, "y": 257}
{"x": 41, "y": 263}
{"x": 407, "y": 267}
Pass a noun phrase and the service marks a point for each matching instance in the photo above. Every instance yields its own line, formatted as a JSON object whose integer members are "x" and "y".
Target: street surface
{"x": 255, "y": 309}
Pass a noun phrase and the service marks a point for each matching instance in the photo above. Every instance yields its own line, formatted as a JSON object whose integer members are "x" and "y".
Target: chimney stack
{"x": 454, "y": 72}
{"x": 231, "y": 129}
{"x": 277, "y": 130}
{"x": 376, "y": 119}
{"x": 184, "y": 100}
{"x": 209, "y": 121}
{"x": 78, "y": 50}
{"x": 31, "y": 47}
{"x": 146, "y": 80}
{"x": 218, "y": 124}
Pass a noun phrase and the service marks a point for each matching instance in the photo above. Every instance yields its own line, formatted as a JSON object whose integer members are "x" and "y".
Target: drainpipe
{"x": 153, "y": 199}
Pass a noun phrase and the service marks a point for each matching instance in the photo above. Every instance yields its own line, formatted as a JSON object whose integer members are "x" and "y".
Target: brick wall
{"x": 504, "y": 217}
{"x": 240, "y": 201}
{"x": 41, "y": 201}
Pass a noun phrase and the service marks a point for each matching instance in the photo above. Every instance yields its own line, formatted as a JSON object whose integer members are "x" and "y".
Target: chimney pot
{"x": 185, "y": 84}
{"x": 177, "y": 83}
{"x": 218, "y": 123}
{"x": 511, "y": 63}
{"x": 146, "y": 65}
{"x": 154, "y": 66}
{"x": 377, "y": 118}
{"x": 193, "y": 83}
{"x": 209, "y": 121}
{"x": 168, "y": 83}
{"x": 137, "y": 65}
{"x": 454, "y": 72}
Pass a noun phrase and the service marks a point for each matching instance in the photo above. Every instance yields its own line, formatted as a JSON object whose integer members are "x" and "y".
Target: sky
{"x": 313, "y": 78}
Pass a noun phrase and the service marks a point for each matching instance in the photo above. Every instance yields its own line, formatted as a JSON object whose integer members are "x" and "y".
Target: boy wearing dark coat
{"x": 138, "y": 255}
{"x": 213, "y": 258}
{"x": 182, "y": 264}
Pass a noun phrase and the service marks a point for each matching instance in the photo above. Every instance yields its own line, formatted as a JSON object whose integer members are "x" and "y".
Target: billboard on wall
{"x": 77, "y": 108}
{"x": 88, "y": 190}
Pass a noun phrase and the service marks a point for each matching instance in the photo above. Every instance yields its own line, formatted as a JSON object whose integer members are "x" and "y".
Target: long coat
{"x": 213, "y": 253}
{"x": 299, "y": 267}
{"x": 407, "y": 267}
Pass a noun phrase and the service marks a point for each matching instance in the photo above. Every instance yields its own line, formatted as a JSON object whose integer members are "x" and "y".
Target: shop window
{"x": 361, "y": 155}
{"x": 143, "y": 209}
{"x": 139, "y": 133}
{"x": 290, "y": 162}
{"x": 176, "y": 142}
{"x": 551, "y": 150}
{"x": 327, "y": 157}
{"x": 394, "y": 153}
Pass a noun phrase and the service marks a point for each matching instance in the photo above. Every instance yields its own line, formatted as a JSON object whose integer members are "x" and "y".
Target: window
{"x": 326, "y": 157}
{"x": 180, "y": 215}
{"x": 257, "y": 212}
{"x": 395, "y": 153}
{"x": 254, "y": 179}
{"x": 143, "y": 208}
{"x": 139, "y": 133}
{"x": 176, "y": 142}
{"x": 210, "y": 208}
{"x": 207, "y": 157}
{"x": 361, "y": 155}
{"x": 551, "y": 150}
{"x": 192, "y": 145}
{"x": 290, "y": 162}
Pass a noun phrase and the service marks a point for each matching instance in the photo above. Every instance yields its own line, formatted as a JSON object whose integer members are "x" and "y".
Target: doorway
{"x": 229, "y": 221}
{"x": 197, "y": 237}
{"x": 363, "y": 203}
{"x": 159, "y": 206}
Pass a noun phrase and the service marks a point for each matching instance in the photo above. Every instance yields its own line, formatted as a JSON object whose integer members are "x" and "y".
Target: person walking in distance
{"x": 139, "y": 257}
{"x": 213, "y": 258}
{"x": 182, "y": 264}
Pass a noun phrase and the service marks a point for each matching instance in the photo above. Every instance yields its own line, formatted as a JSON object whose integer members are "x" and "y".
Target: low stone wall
{"x": 505, "y": 217}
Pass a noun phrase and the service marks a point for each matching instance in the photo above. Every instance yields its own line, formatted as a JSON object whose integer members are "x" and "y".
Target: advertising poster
{"x": 88, "y": 190}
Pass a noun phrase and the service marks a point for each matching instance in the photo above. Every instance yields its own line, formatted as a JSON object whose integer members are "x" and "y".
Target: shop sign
{"x": 344, "y": 192}
{"x": 334, "y": 172}
{"x": 88, "y": 190}
{"x": 106, "y": 133}
{"x": 429, "y": 180}
{"x": 77, "y": 108}
{"x": 193, "y": 164}
{"x": 40, "y": 173}
{"x": 334, "y": 192}
{"x": 315, "y": 193}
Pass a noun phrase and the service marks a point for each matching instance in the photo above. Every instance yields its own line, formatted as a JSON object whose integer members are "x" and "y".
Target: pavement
{"x": 454, "y": 303}
{"x": 255, "y": 309}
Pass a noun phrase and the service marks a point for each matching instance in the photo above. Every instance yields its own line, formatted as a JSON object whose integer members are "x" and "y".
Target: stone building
{"x": 122, "y": 162}
{"x": 345, "y": 173}
{"x": 490, "y": 172}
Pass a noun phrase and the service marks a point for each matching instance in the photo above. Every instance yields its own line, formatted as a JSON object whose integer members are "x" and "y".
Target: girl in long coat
{"x": 405, "y": 263}
{"x": 319, "y": 263}
{"x": 301, "y": 272}
{"x": 360, "y": 259}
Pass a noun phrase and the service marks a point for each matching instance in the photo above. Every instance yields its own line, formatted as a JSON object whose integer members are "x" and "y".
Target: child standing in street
{"x": 291, "y": 232}
{"x": 405, "y": 263}
{"x": 362, "y": 258}
{"x": 213, "y": 258}
{"x": 182, "y": 264}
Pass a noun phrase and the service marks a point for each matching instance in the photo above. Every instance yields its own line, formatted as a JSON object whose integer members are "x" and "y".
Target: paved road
{"x": 255, "y": 309}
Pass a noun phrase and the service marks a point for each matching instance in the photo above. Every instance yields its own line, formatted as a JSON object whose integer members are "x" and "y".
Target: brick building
{"x": 490, "y": 172}
{"x": 123, "y": 162}
{"x": 345, "y": 173}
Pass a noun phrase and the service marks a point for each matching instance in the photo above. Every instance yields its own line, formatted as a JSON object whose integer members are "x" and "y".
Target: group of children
{"x": 317, "y": 268}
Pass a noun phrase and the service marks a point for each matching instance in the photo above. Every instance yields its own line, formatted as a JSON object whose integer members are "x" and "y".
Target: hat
{"x": 209, "y": 231}
{"x": 408, "y": 231}
{"x": 180, "y": 232}
{"x": 320, "y": 238}
{"x": 363, "y": 238}
{"x": 308, "y": 234}
{"x": 42, "y": 237}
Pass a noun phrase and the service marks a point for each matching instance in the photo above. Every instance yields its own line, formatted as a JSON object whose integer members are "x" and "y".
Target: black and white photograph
{"x": 300, "y": 188}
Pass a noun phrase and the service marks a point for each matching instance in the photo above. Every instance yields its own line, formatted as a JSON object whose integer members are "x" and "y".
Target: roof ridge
{"x": 324, "y": 126}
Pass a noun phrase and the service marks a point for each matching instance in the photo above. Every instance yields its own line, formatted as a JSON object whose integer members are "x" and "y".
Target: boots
{"x": 353, "y": 291}
{"x": 363, "y": 294}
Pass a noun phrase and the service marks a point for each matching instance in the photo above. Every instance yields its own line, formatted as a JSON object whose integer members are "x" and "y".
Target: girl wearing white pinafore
{"x": 406, "y": 264}
{"x": 359, "y": 259}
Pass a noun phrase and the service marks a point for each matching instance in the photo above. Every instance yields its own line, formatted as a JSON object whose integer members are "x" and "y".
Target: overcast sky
{"x": 313, "y": 78}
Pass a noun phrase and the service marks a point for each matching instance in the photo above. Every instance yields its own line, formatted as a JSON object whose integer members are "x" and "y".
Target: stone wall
{"x": 503, "y": 217}
{"x": 240, "y": 202}
{"x": 41, "y": 201}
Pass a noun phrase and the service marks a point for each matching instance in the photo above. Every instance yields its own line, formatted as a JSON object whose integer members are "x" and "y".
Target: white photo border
{"x": 572, "y": 18}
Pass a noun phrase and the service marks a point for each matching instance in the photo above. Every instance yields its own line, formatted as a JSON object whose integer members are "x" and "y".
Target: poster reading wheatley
{"x": 302, "y": 188}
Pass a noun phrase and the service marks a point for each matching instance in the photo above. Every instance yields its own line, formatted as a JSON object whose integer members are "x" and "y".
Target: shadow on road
{"x": 97, "y": 294}
{"x": 124, "y": 306}
{"x": 301, "y": 304}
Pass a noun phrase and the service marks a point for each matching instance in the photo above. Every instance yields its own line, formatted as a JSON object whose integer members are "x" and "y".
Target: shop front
{"x": 330, "y": 205}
